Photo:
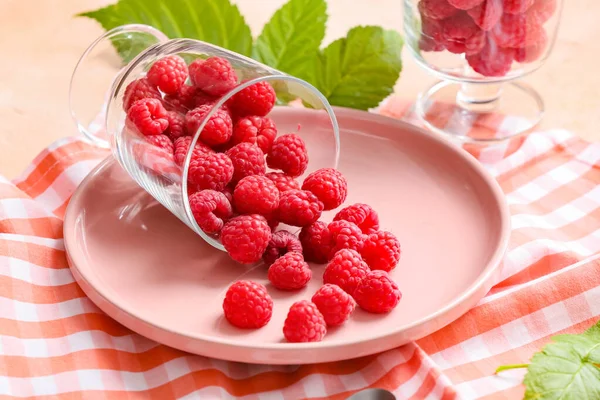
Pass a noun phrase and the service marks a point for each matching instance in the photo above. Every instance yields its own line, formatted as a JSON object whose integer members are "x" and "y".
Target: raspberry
{"x": 247, "y": 160}
{"x": 257, "y": 99}
{"x": 457, "y": 30}
{"x": 475, "y": 43}
{"x": 255, "y": 195}
{"x": 182, "y": 146}
{"x": 260, "y": 131}
{"x": 161, "y": 141}
{"x": 431, "y": 38}
{"x": 346, "y": 269}
{"x": 465, "y": 4}
{"x": 487, "y": 14}
{"x": 299, "y": 208}
{"x": 228, "y": 192}
{"x": 247, "y": 305}
{"x": 216, "y": 131}
{"x": 515, "y": 30}
{"x": 329, "y": 185}
{"x": 246, "y": 238}
{"x": 360, "y": 214}
{"x": 516, "y": 6}
{"x": 289, "y": 155}
{"x": 210, "y": 171}
{"x": 304, "y": 323}
{"x": 377, "y": 293}
{"x": 289, "y": 272}
{"x": 541, "y": 11}
{"x": 335, "y": 304}
{"x": 436, "y": 9}
{"x": 381, "y": 250}
{"x": 214, "y": 76}
{"x": 345, "y": 235}
{"x": 187, "y": 98}
{"x": 283, "y": 181}
{"x": 533, "y": 52}
{"x": 281, "y": 243}
{"x": 149, "y": 116}
{"x": 428, "y": 44}
{"x": 137, "y": 90}
{"x": 316, "y": 242}
{"x": 176, "y": 127}
{"x": 210, "y": 209}
{"x": 492, "y": 60}
{"x": 168, "y": 74}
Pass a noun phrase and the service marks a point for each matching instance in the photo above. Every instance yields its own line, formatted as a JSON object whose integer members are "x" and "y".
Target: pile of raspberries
{"x": 490, "y": 33}
{"x": 234, "y": 197}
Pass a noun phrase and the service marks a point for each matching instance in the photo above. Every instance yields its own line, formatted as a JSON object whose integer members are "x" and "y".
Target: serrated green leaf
{"x": 360, "y": 70}
{"x": 214, "y": 21}
{"x": 291, "y": 39}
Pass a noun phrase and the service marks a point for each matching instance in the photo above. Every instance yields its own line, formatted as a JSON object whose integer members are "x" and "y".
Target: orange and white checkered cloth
{"x": 54, "y": 343}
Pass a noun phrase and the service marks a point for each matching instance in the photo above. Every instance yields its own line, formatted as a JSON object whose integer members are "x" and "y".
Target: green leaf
{"x": 214, "y": 21}
{"x": 360, "y": 70}
{"x": 290, "y": 41}
{"x": 568, "y": 368}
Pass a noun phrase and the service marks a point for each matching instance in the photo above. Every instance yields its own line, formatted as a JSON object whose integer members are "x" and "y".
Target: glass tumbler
{"x": 176, "y": 120}
{"x": 478, "y": 49}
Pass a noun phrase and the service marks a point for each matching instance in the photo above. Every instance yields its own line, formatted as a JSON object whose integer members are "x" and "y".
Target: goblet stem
{"x": 479, "y": 97}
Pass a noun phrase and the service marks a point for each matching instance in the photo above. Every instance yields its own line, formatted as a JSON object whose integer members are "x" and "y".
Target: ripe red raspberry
{"x": 214, "y": 76}
{"x": 541, "y": 11}
{"x": 148, "y": 116}
{"x": 531, "y": 53}
{"x": 283, "y": 181}
{"x": 492, "y": 60}
{"x": 329, "y": 185}
{"x": 288, "y": 154}
{"x": 487, "y": 14}
{"x": 182, "y": 146}
{"x": 217, "y": 130}
{"x": 137, "y": 90}
{"x": 168, "y": 74}
{"x": 457, "y": 30}
{"x": 210, "y": 209}
{"x": 335, "y": 304}
{"x": 260, "y": 131}
{"x": 381, "y": 250}
{"x": 281, "y": 243}
{"x": 346, "y": 269}
{"x": 436, "y": 9}
{"x": 515, "y": 30}
{"x": 516, "y": 6}
{"x": 431, "y": 38}
{"x": 247, "y": 160}
{"x": 360, "y": 214}
{"x": 257, "y": 99}
{"x": 377, "y": 293}
{"x": 247, "y": 305}
{"x": 187, "y": 98}
{"x": 210, "y": 171}
{"x": 161, "y": 141}
{"x": 228, "y": 192}
{"x": 345, "y": 235}
{"x": 299, "y": 208}
{"x": 256, "y": 194}
{"x": 465, "y": 4}
{"x": 304, "y": 323}
{"x": 176, "y": 127}
{"x": 246, "y": 238}
{"x": 289, "y": 272}
{"x": 316, "y": 242}
{"x": 475, "y": 43}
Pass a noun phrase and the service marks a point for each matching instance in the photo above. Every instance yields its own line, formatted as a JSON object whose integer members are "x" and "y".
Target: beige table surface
{"x": 40, "y": 43}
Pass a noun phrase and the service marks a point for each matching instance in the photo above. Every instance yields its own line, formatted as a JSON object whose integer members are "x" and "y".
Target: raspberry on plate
{"x": 316, "y": 242}
{"x": 492, "y": 60}
{"x": 299, "y": 208}
{"x": 257, "y": 99}
{"x": 281, "y": 243}
{"x": 464, "y": 4}
{"x": 210, "y": 171}
{"x": 288, "y": 154}
{"x": 346, "y": 269}
{"x": 246, "y": 238}
{"x": 137, "y": 90}
{"x": 377, "y": 293}
{"x": 516, "y": 6}
{"x": 516, "y": 30}
{"x": 381, "y": 250}
{"x": 148, "y": 116}
{"x": 162, "y": 141}
{"x": 360, "y": 214}
{"x": 260, "y": 131}
{"x": 289, "y": 272}
{"x": 329, "y": 185}
{"x": 214, "y": 76}
{"x": 256, "y": 194}
{"x": 487, "y": 14}
{"x": 247, "y": 305}
{"x": 216, "y": 131}
{"x": 211, "y": 210}
{"x": 283, "y": 181}
{"x": 334, "y": 303}
{"x": 304, "y": 323}
{"x": 436, "y": 9}
{"x": 345, "y": 235}
{"x": 168, "y": 74}
{"x": 182, "y": 146}
{"x": 247, "y": 160}
{"x": 176, "y": 127}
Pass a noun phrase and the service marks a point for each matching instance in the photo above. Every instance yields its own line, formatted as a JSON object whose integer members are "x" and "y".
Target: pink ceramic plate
{"x": 147, "y": 270}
